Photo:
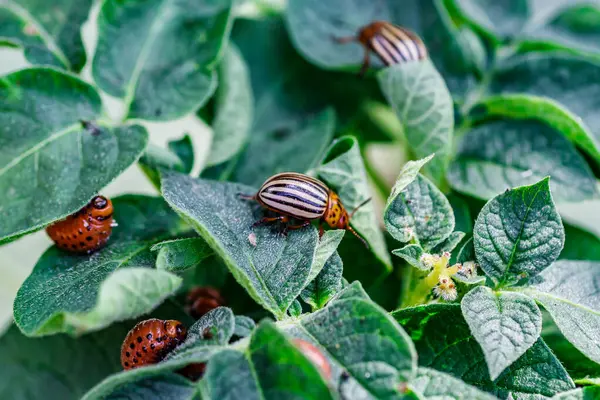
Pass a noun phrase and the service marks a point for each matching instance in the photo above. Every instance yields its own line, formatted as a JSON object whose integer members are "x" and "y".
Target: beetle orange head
{"x": 337, "y": 216}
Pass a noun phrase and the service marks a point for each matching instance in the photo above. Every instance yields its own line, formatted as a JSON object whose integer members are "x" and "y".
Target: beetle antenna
{"x": 358, "y": 236}
{"x": 246, "y": 196}
{"x": 359, "y": 206}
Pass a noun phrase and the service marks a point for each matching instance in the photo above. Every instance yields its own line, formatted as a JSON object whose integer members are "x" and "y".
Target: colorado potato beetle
{"x": 391, "y": 43}
{"x": 305, "y": 199}
{"x": 150, "y": 341}
{"x": 315, "y": 356}
{"x": 87, "y": 230}
{"x": 201, "y": 300}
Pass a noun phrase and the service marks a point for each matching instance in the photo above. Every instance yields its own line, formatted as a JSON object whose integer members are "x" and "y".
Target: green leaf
{"x": 462, "y": 213}
{"x": 569, "y": 80}
{"x": 295, "y": 310}
{"x": 79, "y": 293}
{"x": 449, "y": 244}
{"x": 45, "y": 107}
{"x": 181, "y": 254}
{"x": 420, "y": 212}
{"x": 504, "y": 18}
{"x": 580, "y": 245}
{"x": 575, "y": 28}
{"x": 234, "y": 106}
{"x": 287, "y": 90}
{"x": 575, "y": 362}
{"x": 49, "y": 33}
{"x": 504, "y": 154}
{"x": 357, "y": 336}
{"x": 159, "y": 56}
{"x": 553, "y": 114}
{"x": 505, "y": 325}
{"x": 156, "y": 158}
{"x": 568, "y": 291}
{"x": 432, "y": 384}
{"x": 328, "y": 243}
{"x": 445, "y": 343}
{"x": 230, "y": 376}
{"x": 225, "y": 222}
{"x": 418, "y": 94}
{"x": 412, "y": 255}
{"x": 329, "y": 20}
{"x": 271, "y": 368}
{"x": 58, "y": 367}
{"x": 296, "y": 149}
{"x": 587, "y": 393}
{"x": 219, "y": 323}
{"x": 243, "y": 326}
{"x": 169, "y": 386}
{"x": 518, "y": 234}
{"x": 184, "y": 149}
{"x": 344, "y": 172}
{"x": 467, "y": 252}
{"x": 326, "y": 284}
{"x": 457, "y": 52}
{"x": 407, "y": 175}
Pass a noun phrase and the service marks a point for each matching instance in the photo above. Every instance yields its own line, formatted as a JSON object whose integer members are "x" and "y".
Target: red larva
{"x": 87, "y": 230}
{"x": 150, "y": 341}
{"x": 201, "y": 300}
{"x": 314, "y": 355}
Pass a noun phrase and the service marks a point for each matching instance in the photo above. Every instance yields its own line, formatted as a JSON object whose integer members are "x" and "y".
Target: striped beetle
{"x": 301, "y": 197}
{"x": 392, "y": 44}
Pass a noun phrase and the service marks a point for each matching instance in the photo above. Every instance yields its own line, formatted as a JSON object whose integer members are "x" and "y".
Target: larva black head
{"x": 101, "y": 207}
{"x": 87, "y": 230}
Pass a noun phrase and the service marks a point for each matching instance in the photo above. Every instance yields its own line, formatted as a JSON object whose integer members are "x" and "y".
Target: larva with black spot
{"x": 87, "y": 230}
{"x": 150, "y": 341}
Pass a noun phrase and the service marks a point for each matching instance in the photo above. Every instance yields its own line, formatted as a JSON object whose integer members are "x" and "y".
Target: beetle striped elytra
{"x": 301, "y": 197}
{"x": 87, "y": 230}
{"x": 150, "y": 341}
{"x": 393, "y": 44}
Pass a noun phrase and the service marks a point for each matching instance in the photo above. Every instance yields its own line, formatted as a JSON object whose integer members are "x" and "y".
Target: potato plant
{"x": 472, "y": 285}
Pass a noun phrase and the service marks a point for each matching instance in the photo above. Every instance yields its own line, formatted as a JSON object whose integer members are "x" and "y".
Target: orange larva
{"x": 150, "y": 341}
{"x": 87, "y": 230}
{"x": 201, "y": 300}
{"x": 315, "y": 356}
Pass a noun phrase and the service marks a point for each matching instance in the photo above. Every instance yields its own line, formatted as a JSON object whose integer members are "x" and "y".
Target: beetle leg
{"x": 344, "y": 39}
{"x": 366, "y": 63}
{"x": 320, "y": 229}
{"x": 266, "y": 220}
{"x": 246, "y": 197}
{"x": 302, "y": 225}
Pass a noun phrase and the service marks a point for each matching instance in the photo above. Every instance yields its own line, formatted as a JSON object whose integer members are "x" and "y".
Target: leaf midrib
{"x": 42, "y": 32}
{"x": 145, "y": 52}
{"x": 514, "y": 250}
{"x": 38, "y": 146}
